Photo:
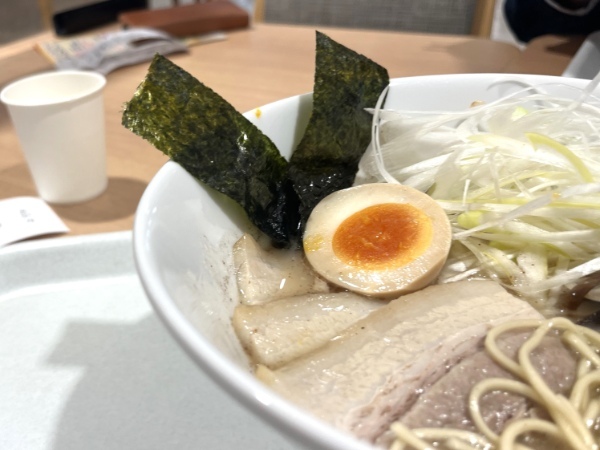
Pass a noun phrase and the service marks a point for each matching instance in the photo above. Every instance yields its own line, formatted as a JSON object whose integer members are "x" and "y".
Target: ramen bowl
{"x": 184, "y": 233}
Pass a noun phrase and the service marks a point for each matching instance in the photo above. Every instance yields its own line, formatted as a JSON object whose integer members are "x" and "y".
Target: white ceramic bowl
{"x": 184, "y": 233}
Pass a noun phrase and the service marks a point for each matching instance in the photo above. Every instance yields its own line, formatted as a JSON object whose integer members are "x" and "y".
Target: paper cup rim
{"x": 93, "y": 88}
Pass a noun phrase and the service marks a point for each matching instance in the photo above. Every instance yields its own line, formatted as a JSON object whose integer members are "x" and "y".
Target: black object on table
{"x": 93, "y": 15}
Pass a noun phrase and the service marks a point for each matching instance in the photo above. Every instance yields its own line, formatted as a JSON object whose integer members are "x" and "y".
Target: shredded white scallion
{"x": 519, "y": 178}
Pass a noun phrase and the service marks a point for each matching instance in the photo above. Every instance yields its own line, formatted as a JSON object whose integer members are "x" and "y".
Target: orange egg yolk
{"x": 383, "y": 236}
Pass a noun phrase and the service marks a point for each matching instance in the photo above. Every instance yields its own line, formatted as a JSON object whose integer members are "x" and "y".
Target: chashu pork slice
{"x": 445, "y": 404}
{"x": 277, "y": 332}
{"x": 370, "y": 375}
{"x": 265, "y": 275}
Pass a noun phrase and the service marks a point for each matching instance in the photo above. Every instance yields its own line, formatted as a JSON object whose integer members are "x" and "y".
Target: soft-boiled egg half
{"x": 378, "y": 239}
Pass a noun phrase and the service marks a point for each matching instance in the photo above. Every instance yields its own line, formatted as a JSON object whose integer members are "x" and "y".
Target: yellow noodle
{"x": 442, "y": 433}
{"x": 454, "y": 443}
{"x": 495, "y": 384}
{"x": 592, "y": 413}
{"x": 519, "y": 427}
{"x": 581, "y": 390}
{"x": 560, "y": 409}
{"x": 583, "y": 367}
{"x": 575, "y": 341}
{"x": 417, "y": 438}
{"x": 495, "y": 352}
{"x": 409, "y": 438}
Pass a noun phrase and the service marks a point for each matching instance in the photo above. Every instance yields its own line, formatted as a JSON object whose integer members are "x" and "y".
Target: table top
{"x": 250, "y": 68}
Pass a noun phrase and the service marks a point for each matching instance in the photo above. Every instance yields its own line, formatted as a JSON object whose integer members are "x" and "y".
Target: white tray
{"x": 85, "y": 363}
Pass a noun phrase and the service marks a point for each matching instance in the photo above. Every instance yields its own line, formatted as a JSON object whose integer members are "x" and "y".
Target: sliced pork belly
{"x": 363, "y": 380}
{"x": 277, "y": 332}
{"x": 445, "y": 403}
{"x": 266, "y": 275}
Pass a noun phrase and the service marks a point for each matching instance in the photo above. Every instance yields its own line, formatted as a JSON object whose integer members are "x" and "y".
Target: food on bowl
{"x": 518, "y": 179}
{"x": 265, "y": 274}
{"x": 384, "y": 370}
{"x": 378, "y": 239}
{"x": 550, "y": 408}
{"x": 425, "y": 367}
{"x": 371, "y": 372}
{"x": 278, "y": 332}
{"x": 198, "y": 129}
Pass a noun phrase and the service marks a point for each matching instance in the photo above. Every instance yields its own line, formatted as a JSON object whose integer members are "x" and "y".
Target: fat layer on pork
{"x": 279, "y": 331}
{"x": 373, "y": 372}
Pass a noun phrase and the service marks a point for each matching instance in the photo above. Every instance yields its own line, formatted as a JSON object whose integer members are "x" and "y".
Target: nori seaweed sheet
{"x": 339, "y": 129}
{"x": 216, "y": 144}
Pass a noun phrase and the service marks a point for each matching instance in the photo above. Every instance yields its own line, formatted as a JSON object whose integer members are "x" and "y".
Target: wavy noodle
{"x": 573, "y": 420}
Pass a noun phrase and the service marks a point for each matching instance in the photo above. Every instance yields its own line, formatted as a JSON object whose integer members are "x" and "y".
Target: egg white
{"x": 394, "y": 279}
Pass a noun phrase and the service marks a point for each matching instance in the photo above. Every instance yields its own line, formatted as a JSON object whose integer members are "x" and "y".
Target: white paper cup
{"x": 59, "y": 119}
